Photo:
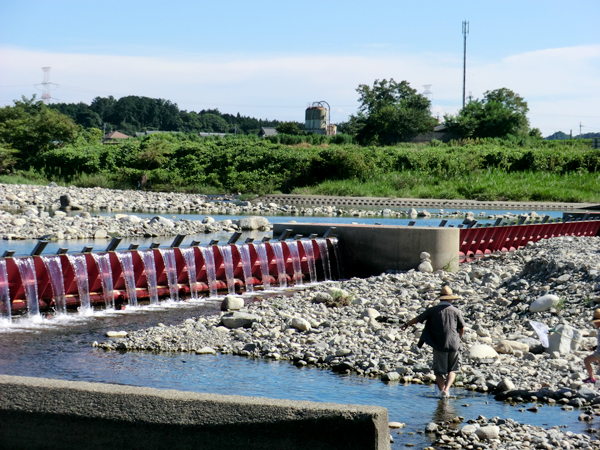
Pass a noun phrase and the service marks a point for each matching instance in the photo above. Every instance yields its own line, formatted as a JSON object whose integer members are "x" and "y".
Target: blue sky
{"x": 270, "y": 59}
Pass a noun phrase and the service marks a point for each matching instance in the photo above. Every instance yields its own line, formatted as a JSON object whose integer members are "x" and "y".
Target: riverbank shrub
{"x": 469, "y": 168}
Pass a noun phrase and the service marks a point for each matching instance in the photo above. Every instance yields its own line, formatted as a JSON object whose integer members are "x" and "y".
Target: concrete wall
{"x": 39, "y": 413}
{"x": 367, "y": 250}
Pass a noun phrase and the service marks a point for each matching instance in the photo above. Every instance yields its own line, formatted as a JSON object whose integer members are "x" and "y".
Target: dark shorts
{"x": 445, "y": 362}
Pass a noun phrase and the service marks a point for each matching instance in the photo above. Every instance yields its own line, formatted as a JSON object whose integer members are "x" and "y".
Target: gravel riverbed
{"x": 354, "y": 326}
{"x": 56, "y": 213}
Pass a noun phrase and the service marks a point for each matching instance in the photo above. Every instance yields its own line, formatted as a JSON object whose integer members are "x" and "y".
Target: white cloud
{"x": 559, "y": 84}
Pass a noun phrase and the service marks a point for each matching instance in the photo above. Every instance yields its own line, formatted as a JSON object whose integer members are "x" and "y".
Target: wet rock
{"x": 544, "y": 303}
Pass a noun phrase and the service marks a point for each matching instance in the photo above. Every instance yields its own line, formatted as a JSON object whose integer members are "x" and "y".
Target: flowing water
{"x": 54, "y": 268}
{"x": 310, "y": 258}
{"x": 81, "y": 274}
{"x": 105, "y": 271}
{"x": 126, "y": 260}
{"x": 324, "y": 252}
{"x": 29, "y": 280}
{"x": 295, "y": 256}
{"x": 168, "y": 255}
{"x": 5, "y": 312}
{"x": 244, "y": 250}
{"x": 150, "y": 270}
{"x": 263, "y": 260}
{"x": 211, "y": 271}
{"x": 189, "y": 254}
{"x": 280, "y": 259}
{"x": 64, "y": 351}
{"x": 228, "y": 263}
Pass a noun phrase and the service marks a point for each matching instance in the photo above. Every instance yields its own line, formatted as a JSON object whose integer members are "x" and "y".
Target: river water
{"x": 62, "y": 348}
{"x": 24, "y": 247}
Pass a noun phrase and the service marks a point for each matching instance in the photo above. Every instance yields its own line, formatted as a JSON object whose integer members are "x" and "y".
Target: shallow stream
{"x": 62, "y": 348}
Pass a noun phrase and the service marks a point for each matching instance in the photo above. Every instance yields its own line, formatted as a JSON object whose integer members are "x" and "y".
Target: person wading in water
{"x": 444, "y": 326}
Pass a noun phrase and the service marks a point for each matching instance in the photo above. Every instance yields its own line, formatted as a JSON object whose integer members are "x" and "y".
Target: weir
{"x": 117, "y": 279}
{"x": 113, "y": 279}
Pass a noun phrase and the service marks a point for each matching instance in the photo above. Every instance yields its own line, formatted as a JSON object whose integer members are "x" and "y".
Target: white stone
{"x": 370, "y": 313}
{"x": 232, "y": 302}
{"x": 482, "y": 351}
{"x": 253, "y": 223}
{"x": 206, "y": 351}
{"x": 544, "y": 303}
{"x": 116, "y": 334}
{"x": 564, "y": 340}
{"x": 425, "y": 267}
{"x": 300, "y": 324}
{"x": 488, "y": 432}
{"x": 100, "y": 234}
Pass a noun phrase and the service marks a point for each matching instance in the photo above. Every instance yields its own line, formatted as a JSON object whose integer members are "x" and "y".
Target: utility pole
{"x": 580, "y": 130}
{"x": 465, "y": 31}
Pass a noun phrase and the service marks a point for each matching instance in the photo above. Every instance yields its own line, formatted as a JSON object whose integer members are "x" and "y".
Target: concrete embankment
{"x": 426, "y": 203}
{"x": 39, "y": 413}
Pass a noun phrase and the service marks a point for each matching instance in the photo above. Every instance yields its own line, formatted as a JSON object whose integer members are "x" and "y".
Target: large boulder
{"x": 564, "y": 339}
{"x": 482, "y": 351}
{"x": 544, "y": 303}
{"x": 239, "y": 320}
{"x": 300, "y": 324}
{"x": 232, "y": 302}
{"x": 488, "y": 432}
{"x": 253, "y": 223}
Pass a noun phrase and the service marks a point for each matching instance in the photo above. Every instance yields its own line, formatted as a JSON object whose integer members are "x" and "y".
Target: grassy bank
{"x": 492, "y": 185}
{"x": 490, "y": 169}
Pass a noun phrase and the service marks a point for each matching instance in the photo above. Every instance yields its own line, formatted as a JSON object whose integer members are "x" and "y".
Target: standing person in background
{"x": 594, "y": 357}
{"x": 444, "y": 326}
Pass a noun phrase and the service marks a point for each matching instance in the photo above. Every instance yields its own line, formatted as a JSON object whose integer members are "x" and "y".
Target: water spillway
{"x": 114, "y": 279}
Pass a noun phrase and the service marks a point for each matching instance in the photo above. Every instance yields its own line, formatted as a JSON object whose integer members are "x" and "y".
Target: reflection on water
{"x": 63, "y": 349}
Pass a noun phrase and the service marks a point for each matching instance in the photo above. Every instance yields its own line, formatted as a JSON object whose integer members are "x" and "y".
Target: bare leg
{"x": 588, "y": 364}
{"x": 449, "y": 380}
{"x": 440, "y": 380}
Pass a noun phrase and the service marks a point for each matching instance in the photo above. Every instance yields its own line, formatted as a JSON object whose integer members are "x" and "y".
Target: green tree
{"x": 288, "y": 128}
{"x": 32, "y": 128}
{"x": 501, "y": 112}
{"x": 212, "y": 123}
{"x": 391, "y": 112}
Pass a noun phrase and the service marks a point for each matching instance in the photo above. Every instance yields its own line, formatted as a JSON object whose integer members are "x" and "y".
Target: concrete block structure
{"x": 39, "y": 413}
{"x": 367, "y": 250}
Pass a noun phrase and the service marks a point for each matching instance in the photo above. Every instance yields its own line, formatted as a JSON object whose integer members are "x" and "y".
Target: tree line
{"x": 132, "y": 114}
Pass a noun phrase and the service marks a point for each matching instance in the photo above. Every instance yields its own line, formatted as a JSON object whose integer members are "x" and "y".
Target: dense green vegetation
{"x": 38, "y": 145}
{"x": 389, "y": 112}
{"x": 133, "y": 114}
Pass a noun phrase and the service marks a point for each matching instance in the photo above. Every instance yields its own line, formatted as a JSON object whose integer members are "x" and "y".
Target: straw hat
{"x": 596, "y": 317}
{"x": 446, "y": 294}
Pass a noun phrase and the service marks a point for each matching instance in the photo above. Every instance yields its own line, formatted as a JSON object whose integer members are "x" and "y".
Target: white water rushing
{"x": 54, "y": 268}
{"x": 105, "y": 270}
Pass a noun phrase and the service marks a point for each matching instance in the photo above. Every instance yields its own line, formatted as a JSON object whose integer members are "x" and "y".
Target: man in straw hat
{"x": 594, "y": 357}
{"x": 444, "y": 326}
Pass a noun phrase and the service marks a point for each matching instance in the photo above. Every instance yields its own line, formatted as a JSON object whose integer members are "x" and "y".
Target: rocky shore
{"x": 498, "y": 433}
{"x": 354, "y": 326}
{"x": 54, "y": 213}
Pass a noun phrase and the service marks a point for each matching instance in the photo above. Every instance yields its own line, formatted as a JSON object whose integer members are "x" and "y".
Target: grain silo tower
{"x": 316, "y": 118}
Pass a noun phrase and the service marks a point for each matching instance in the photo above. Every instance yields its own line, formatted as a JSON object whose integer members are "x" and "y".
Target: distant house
{"x": 439, "y": 133}
{"x": 114, "y": 137}
{"x": 266, "y": 131}
{"x": 202, "y": 134}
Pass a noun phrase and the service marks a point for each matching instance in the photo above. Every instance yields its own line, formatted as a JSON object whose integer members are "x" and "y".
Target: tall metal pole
{"x": 465, "y": 31}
